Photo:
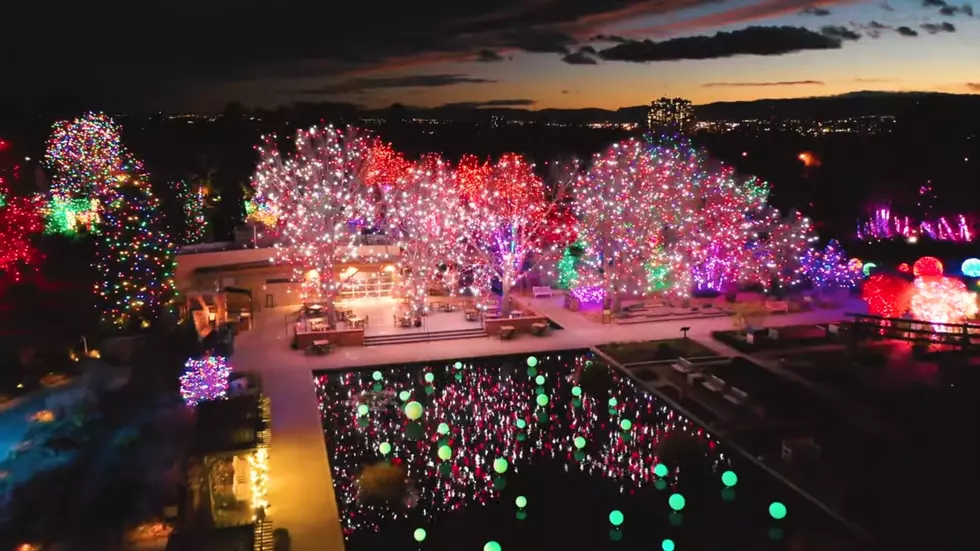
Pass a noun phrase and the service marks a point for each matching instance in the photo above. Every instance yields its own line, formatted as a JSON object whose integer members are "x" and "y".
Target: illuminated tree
{"x": 320, "y": 200}
{"x": 510, "y": 219}
{"x": 192, "y": 197}
{"x": 620, "y": 219}
{"x": 423, "y": 213}
{"x": 20, "y": 218}
{"x": 86, "y": 157}
{"x": 828, "y": 269}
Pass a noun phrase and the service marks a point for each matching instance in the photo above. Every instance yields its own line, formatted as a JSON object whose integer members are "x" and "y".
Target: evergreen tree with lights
{"x": 828, "y": 269}
{"x": 135, "y": 259}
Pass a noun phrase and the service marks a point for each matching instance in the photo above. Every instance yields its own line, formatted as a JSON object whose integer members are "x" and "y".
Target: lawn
{"x": 646, "y": 351}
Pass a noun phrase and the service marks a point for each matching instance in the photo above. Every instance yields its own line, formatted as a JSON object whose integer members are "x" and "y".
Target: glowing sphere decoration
{"x": 429, "y": 377}
{"x": 660, "y": 470}
{"x": 445, "y": 453}
{"x": 521, "y": 502}
{"x": 777, "y": 510}
{"x": 676, "y": 502}
{"x": 886, "y": 295}
{"x": 404, "y": 395}
{"x": 941, "y": 299}
{"x": 927, "y": 266}
{"x": 667, "y": 545}
{"x": 855, "y": 264}
{"x": 532, "y": 361}
{"x": 443, "y": 429}
{"x": 491, "y": 546}
{"x": 904, "y": 268}
{"x": 868, "y": 267}
{"x": 384, "y": 448}
{"x": 626, "y": 424}
{"x": 616, "y": 518}
{"x": 419, "y": 535}
{"x": 971, "y": 267}
{"x": 542, "y": 400}
{"x": 413, "y": 410}
{"x": 729, "y": 479}
{"x": 500, "y": 465}
{"x": 579, "y": 442}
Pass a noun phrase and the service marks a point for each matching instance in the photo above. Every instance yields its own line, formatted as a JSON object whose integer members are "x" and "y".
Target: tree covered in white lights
{"x": 322, "y": 202}
{"x": 422, "y": 215}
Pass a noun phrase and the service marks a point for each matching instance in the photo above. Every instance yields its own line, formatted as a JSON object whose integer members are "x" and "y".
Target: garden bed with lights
{"x": 507, "y": 452}
{"x": 782, "y": 338}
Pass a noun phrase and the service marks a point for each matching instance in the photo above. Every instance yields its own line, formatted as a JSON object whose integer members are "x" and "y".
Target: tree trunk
{"x": 505, "y": 305}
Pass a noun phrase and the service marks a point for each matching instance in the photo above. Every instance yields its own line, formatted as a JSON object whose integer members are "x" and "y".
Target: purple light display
{"x": 205, "y": 380}
{"x": 592, "y": 294}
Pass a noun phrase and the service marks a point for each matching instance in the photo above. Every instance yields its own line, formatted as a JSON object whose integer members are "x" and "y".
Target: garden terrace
{"x": 559, "y": 448}
{"x": 237, "y": 423}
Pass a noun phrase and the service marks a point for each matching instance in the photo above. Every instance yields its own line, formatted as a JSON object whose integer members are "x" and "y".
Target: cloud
{"x": 584, "y": 56}
{"x": 936, "y": 28}
{"x": 886, "y": 6}
{"x": 358, "y": 85}
{"x": 762, "y": 84}
{"x": 906, "y": 31}
{"x": 874, "y": 29}
{"x": 498, "y": 103}
{"x": 815, "y": 10}
{"x": 875, "y": 80}
{"x": 973, "y": 86}
{"x": 761, "y": 41}
{"x": 488, "y": 56}
{"x": 949, "y": 10}
{"x": 839, "y": 32}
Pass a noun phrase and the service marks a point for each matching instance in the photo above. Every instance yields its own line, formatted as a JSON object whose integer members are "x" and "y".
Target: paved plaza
{"x": 300, "y": 490}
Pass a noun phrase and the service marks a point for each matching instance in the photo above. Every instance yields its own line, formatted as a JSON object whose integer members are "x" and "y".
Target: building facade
{"x": 671, "y": 114}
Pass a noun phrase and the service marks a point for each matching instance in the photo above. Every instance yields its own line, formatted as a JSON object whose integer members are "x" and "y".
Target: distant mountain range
{"x": 854, "y": 104}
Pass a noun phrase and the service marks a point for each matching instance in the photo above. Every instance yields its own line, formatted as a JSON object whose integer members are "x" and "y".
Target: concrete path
{"x": 301, "y": 491}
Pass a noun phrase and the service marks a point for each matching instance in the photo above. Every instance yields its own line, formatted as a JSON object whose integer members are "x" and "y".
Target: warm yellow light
{"x": 94, "y": 354}
{"x": 312, "y": 275}
{"x": 389, "y": 268}
{"x": 259, "y": 478}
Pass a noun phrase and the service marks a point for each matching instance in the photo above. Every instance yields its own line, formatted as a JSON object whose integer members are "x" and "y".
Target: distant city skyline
{"x": 515, "y": 53}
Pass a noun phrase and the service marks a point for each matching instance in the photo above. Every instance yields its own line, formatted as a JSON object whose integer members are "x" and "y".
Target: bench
{"x": 683, "y": 366}
{"x": 507, "y": 332}
{"x": 319, "y": 347}
{"x": 737, "y": 396}
{"x": 714, "y": 384}
{"x": 541, "y": 292}
{"x": 539, "y": 328}
{"x": 780, "y": 306}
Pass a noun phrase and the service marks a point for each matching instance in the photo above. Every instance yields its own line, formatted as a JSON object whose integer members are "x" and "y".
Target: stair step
{"x": 379, "y": 340}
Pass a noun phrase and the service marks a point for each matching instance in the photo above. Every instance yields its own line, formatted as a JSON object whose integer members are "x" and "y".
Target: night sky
{"x": 198, "y": 55}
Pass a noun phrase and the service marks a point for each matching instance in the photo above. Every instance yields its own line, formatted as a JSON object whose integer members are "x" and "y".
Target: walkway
{"x": 301, "y": 491}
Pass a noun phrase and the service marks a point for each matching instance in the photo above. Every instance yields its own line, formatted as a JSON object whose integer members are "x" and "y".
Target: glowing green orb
{"x": 419, "y": 535}
{"x": 521, "y": 501}
{"x": 868, "y": 266}
{"x": 660, "y": 470}
{"x": 363, "y": 409}
{"x": 384, "y": 448}
{"x": 667, "y": 545}
{"x": 542, "y": 400}
{"x": 532, "y": 361}
{"x": 429, "y": 377}
{"x": 613, "y": 402}
{"x": 458, "y": 365}
{"x": 521, "y": 423}
{"x": 626, "y": 424}
{"x": 676, "y": 502}
{"x": 576, "y": 391}
{"x": 491, "y": 546}
{"x": 404, "y": 395}
{"x": 443, "y": 429}
{"x": 413, "y": 410}
{"x": 728, "y": 478}
{"x": 539, "y": 380}
{"x": 445, "y": 453}
{"x": 579, "y": 442}
{"x": 500, "y": 465}
{"x": 376, "y": 376}
{"x": 616, "y": 517}
{"x": 777, "y": 510}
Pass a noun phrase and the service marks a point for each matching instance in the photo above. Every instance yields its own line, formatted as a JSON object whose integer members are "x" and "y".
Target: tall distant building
{"x": 671, "y": 113}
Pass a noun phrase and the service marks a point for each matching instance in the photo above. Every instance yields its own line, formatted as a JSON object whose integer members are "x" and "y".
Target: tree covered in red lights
{"x": 20, "y": 219}
{"x": 509, "y": 219}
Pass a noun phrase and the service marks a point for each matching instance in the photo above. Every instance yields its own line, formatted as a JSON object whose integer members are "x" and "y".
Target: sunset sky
{"x": 202, "y": 54}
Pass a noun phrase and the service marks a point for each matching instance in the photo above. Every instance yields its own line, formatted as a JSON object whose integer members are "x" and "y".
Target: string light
{"x": 20, "y": 217}
{"x": 495, "y": 428}
{"x": 828, "y": 269}
{"x": 205, "y": 380}
{"x": 191, "y": 198}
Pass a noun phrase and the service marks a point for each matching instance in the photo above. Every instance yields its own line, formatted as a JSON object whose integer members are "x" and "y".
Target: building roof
{"x": 236, "y": 538}
{"x": 229, "y": 425}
